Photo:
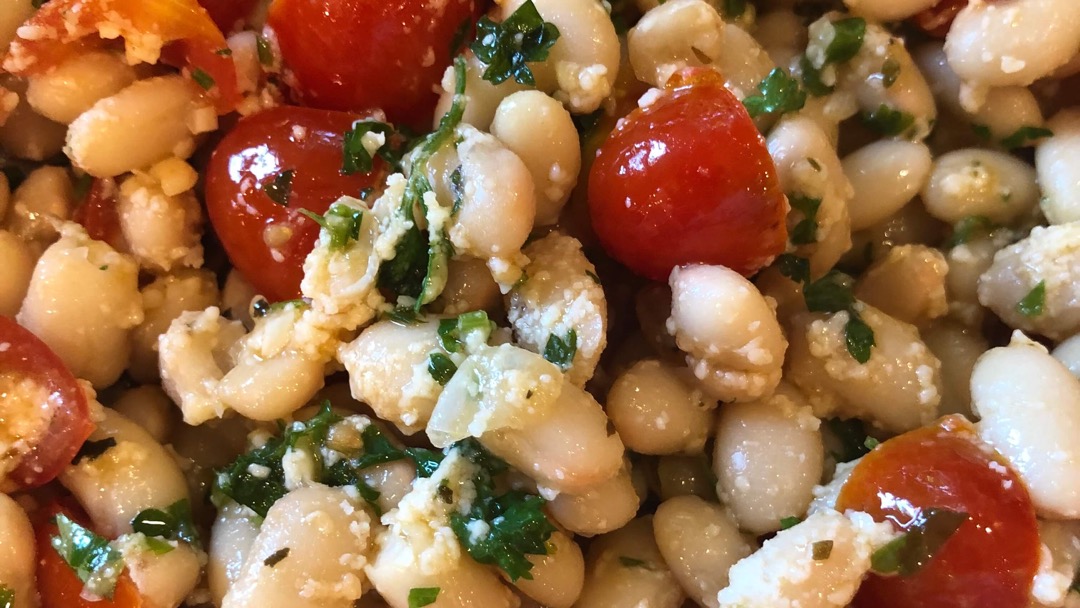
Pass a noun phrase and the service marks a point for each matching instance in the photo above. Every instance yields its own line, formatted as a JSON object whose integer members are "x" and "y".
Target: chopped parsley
{"x": 805, "y": 232}
{"x": 426, "y": 460}
{"x": 851, "y": 438}
{"x": 871, "y": 443}
{"x": 94, "y": 561}
{"x": 508, "y": 47}
{"x": 341, "y": 222}
{"x": 889, "y": 121}
{"x": 92, "y": 450}
{"x": 777, "y": 94}
{"x": 967, "y": 228}
{"x": 452, "y": 331}
{"x": 847, "y": 39}
{"x": 7, "y": 597}
{"x": 811, "y": 78}
{"x": 1032, "y": 304}
{"x": 224, "y": 52}
{"x": 981, "y": 131}
{"x": 260, "y": 307}
{"x": 927, "y": 533}
{"x": 279, "y": 188}
{"x": 355, "y": 157}
{"x": 794, "y": 267}
{"x": 404, "y": 316}
{"x": 276, "y": 557}
{"x": 586, "y": 124}
{"x": 890, "y": 71}
{"x": 171, "y": 523}
{"x": 734, "y": 8}
{"x": 201, "y": 78}
{"x": 263, "y": 50}
{"x": 1025, "y": 136}
{"x": 422, "y": 596}
{"x": 441, "y": 368}
{"x": 821, "y": 550}
{"x": 858, "y": 337}
{"x": 561, "y": 351}
{"x": 789, "y": 522}
{"x": 633, "y": 562}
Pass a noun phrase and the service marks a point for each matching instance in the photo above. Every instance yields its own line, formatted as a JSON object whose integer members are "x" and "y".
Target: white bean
{"x": 700, "y": 542}
{"x": 732, "y": 340}
{"x": 540, "y": 131}
{"x": 310, "y": 553}
{"x": 1058, "y": 561}
{"x": 1056, "y": 160}
{"x": 83, "y": 301}
{"x": 957, "y": 347}
{"x": 1029, "y": 406}
{"x": 17, "y": 550}
{"x": 163, "y": 301}
{"x": 602, "y": 508}
{"x": 15, "y": 272}
{"x": 1068, "y": 352}
{"x": 967, "y": 262}
{"x": 625, "y": 568}
{"x": 743, "y": 63}
{"x": 887, "y": 10}
{"x": 134, "y": 475}
{"x": 686, "y": 476}
{"x": 392, "y": 481}
{"x": 907, "y": 284}
{"x": 469, "y": 287}
{"x": 164, "y": 580}
{"x": 885, "y": 176}
{"x": 231, "y": 538}
{"x": 163, "y": 231}
{"x": 74, "y": 86}
{"x": 557, "y": 578}
{"x": 657, "y": 409}
{"x": 675, "y": 35}
{"x": 193, "y": 353}
{"x": 44, "y": 199}
{"x": 149, "y": 407}
{"x": 482, "y": 97}
{"x": 981, "y": 182}
{"x": 782, "y": 34}
{"x": 237, "y": 296}
{"x": 25, "y": 133}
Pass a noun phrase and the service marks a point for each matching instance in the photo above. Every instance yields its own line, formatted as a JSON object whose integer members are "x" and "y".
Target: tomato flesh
{"x": 228, "y": 14}
{"x": 990, "y": 560}
{"x": 688, "y": 179}
{"x": 99, "y": 216}
{"x": 66, "y": 411}
{"x": 358, "y": 55}
{"x": 265, "y": 240}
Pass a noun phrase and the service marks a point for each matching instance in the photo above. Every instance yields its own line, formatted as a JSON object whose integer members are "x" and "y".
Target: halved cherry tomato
{"x": 99, "y": 216}
{"x": 265, "y": 240}
{"x": 358, "y": 55}
{"x": 65, "y": 414}
{"x": 937, "y": 19}
{"x": 70, "y": 25}
{"x": 688, "y": 179}
{"x": 990, "y": 560}
{"x": 58, "y": 585}
{"x": 228, "y": 13}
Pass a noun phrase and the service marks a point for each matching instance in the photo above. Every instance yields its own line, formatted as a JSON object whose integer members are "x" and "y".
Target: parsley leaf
{"x": 1025, "y": 136}
{"x": 355, "y": 157}
{"x": 426, "y": 460}
{"x": 94, "y": 561}
{"x": 441, "y": 368}
{"x": 777, "y": 94}
{"x": 422, "y": 596}
{"x": 276, "y": 557}
{"x": 507, "y": 47}
{"x": 1032, "y": 304}
{"x": 890, "y": 71}
{"x": 561, "y": 351}
{"x": 7, "y": 597}
{"x": 260, "y": 307}
{"x": 831, "y": 293}
{"x": 850, "y": 435}
{"x": 908, "y": 553}
{"x": 279, "y": 188}
{"x": 734, "y": 8}
{"x": 889, "y": 121}
{"x": 793, "y": 267}
{"x": 404, "y": 316}
{"x": 404, "y": 273}
{"x": 859, "y": 337}
{"x": 847, "y": 39}
{"x": 340, "y": 221}
{"x": 789, "y": 522}
{"x": 811, "y": 78}
{"x": 821, "y": 550}
{"x": 967, "y": 228}
{"x": 93, "y": 449}
{"x": 633, "y": 562}
{"x": 805, "y": 232}
{"x": 452, "y": 331}
{"x": 172, "y": 523}
{"x": 201, "y": 78}
{"x": 263, "y": 50}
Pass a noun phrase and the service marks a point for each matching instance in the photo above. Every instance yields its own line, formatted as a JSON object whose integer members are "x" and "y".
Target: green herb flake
{"x": 157, "y": 546}
{"x": 889, "y": 121}
{"x": 847, "y": 39}
{"x": 928, "y": 532}
{"x": 279, "y": 188}
{"x": 201, "y": 78}
{"x": 561, "y": 351}
{"x": 441, "y": 368}
{"x": 805, "y": 232}
{"x": 633, "y": 562}
{"x": 890, "y": 71}
{"x": 851, "y": 437}
{"x": 871, "y": 443}
{"x": 172, "y": 523}
{"x": 821, "y": 550}
{"x": 341, "y": 222}
{"x": 92, "y": 450}
{"x": 276, "y": 558}
{"x": 224, "y": 52}
{"x": 1033, "y": 303}
{"x": 811, "y": 78}
{"x": 831, "y": 293}
{"x": 404, "y": 316}
{"x": 794, "y": 267}
{"x": 452, "y": 332}
{"x": 981, "y": 131}
{"x": 94, "y": 561}
{"x": 859, "y": 337}
{"x": 592, "y": 275}
{"x": 734, "y": 9}
{"x": 263, "y": 50}
{"x": 777, "y": 94}
{"x": 7, "y": 597}
{"x": 789, "y": 522}
{"x": 82, "y": 185}
{"x": 508, "y": 47}
{"x": 1025, "y": 137}
{"x": 422, "y": 596}
{"x": 355, "y": 157}
{"x": 967, "y": 228}
{"x": 426, "y": 460}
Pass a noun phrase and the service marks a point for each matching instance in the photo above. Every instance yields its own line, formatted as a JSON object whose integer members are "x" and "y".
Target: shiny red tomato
{"x": 58, "y": 585}
{"x": 61, "y": 422}
{"x": 358, "y": 55}
{"x": 296, "y": 154}
{"x": 227, "y": 14}
{"x": 688, "y": 179}
{"x": 98, "y": 215}
{"x": 990, "y": 560}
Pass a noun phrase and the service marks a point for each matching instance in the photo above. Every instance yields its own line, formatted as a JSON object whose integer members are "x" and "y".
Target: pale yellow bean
{"x": 602, "y": 508}
{"x": 15, "y": 272}
{"x": 17, "y": 551}
{"x": 981, "y": 182}
{"x": 44, "y": 199}
{"x": 74, "y": 86}
{"x": 149, "y": 407}
{"x": 885, "y": 176}
{"x": 1068, "y": 352}
{"x": 658, "y": 409}
{"x": 163, "y": 301}
{"x": 557, "y": 578}
{"x": 957, "y": 347}
{"x": 625, "y": 568}
{"x": 25, "y": 133}
{"x": 12, "y": 14}
{"x": 908, "y": 284}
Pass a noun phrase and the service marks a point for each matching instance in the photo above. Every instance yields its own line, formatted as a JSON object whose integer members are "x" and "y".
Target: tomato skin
{"x": 68, "y": 411}
{"x": 685, "y": 180}
{"x": 260, "y": 147}
{"x": 358, "y": 55}
{"x": 991, "y": 559}
{"x": 99, "y": 216}
{"x": 228, "y": 13}
{"x": 58, "y": 585}
{"x": 937, "y": 19}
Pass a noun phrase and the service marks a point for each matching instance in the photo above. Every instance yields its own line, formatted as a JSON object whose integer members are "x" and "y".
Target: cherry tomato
{"x": 937, "y": 19}
{"x": 266, "y": 240}
{"x": 58, "y": 585}
{"x": 61, "y": 423}
{"x": 98, "y": 214}
{"x": 990, "y": 560}
{"x": 228, "y": 13}
{"x": 358, "y": 55}
{"x": 190, "y": 36}
{"x": 688, "y": 179}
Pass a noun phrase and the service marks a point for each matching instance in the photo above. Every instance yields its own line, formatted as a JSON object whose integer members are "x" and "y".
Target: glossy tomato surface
{"x": 65, "y": 414}
{"x": 688, "y": 179}
{"x": 358, "y": 55}
{"x": 266, "y": 236}
{"x": 97, "y": 213}
{"x": 990, "y": 561}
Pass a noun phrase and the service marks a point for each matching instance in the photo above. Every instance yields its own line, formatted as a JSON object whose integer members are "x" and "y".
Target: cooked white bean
{"x": 272, "y": 388}
{"x": 1058, "y": 560}
{"x": 1068, "y": 352}
{"x": 83, "y": 301}
{"x": 237, "y": 296}
{"x": 231, "y": 538}
{"x": 557, "y": 578}
{"x": 44, "y": 199}
{"x": 1047, "y": 257}
{"x": 25, "y": 133}
{"x": 897, "y": 389}
{"x": 732, "y": 340}
{"x": 675, "y": 35}
{"x": 112, "y": 489}
{"x": 149, "y": 407}
{"x": 782, "y": 34}
{"x": 981, "y": 182}
{"x": 888, "y": 10}
{"x": 700, "y": 542}
{"x": 1056, "y": 160}
{"x": 957, "y": 347}
{"x": 17, "y": 551}
{"x": 658, "y": 409}
{"x": 560, "y": 295}
{"x": 310, "y": 553}
{"x": 743, "y": 63}
{"x": 15, "y": 272}
{"x": 146, "y": 122}
{"x": 164, "y": 580}
{"x": 74, "y": 86}
{"x": 907, "y": 284}
{"x": 967, "y": 262}
{"x": 192, "y": 354}
{"x": 163, "y": 301}
{"x": 469, "y": 286}
{"x": 482, "y": 97}
{"x": 391, "y": 480}
{"x": 163, "y": 231}
{"x": 1029, "y": 406}
{"x": 625, "y": 568}
{"x": 767, "y": 458}
{"x": 602, "y": 508}
{"x": 885, "y": 176}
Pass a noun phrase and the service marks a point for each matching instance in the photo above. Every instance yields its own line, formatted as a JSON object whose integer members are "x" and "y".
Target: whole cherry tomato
{"x": 990, "y": 561}
{"x": 228, "y": 13}
{"x": 58, "y": 585}
{"x": 359, "y": 55}
{"x": 688, "y": 179}
{"x": 42, "y": 405}
{"x": 296, "y": 155}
